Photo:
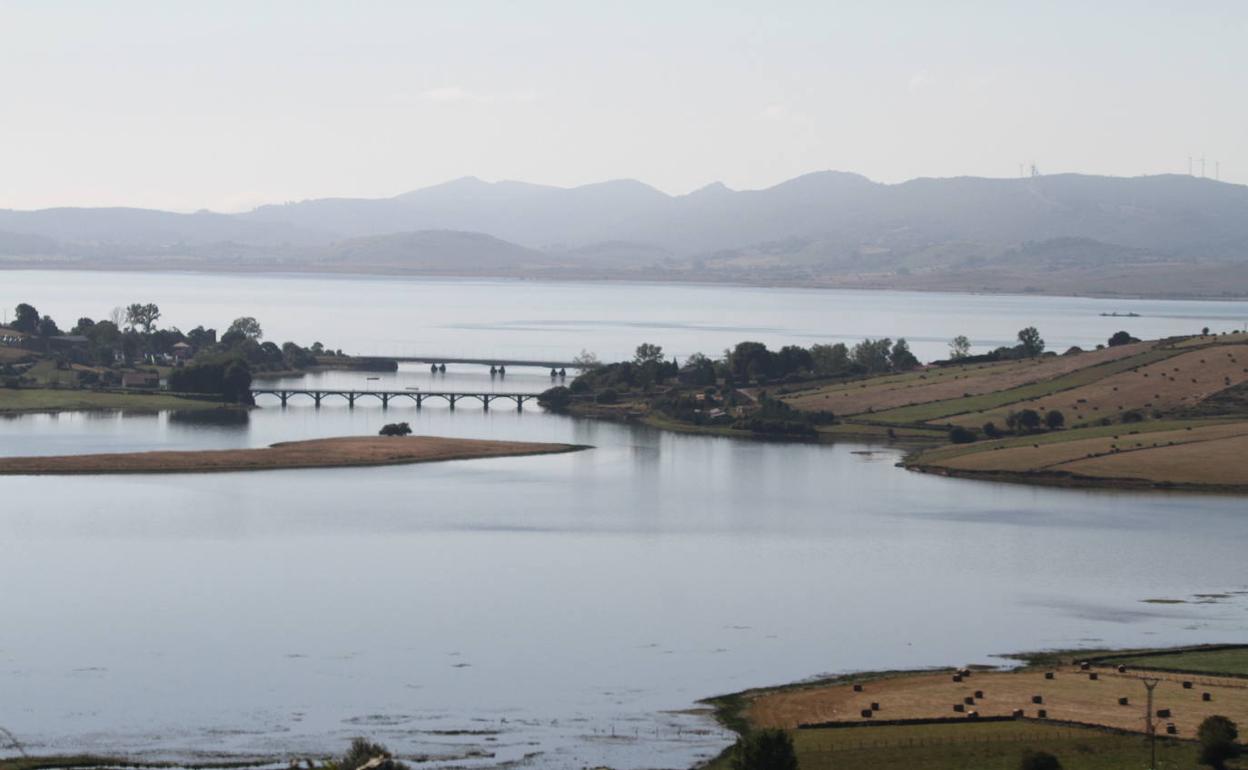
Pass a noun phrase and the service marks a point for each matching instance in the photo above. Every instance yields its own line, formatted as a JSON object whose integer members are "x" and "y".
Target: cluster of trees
{"x": 395, "y": 429}
{"x": 776, "y": 418}
{"x": 131, "y": 335}
{"x": 226, "y": 376}
{"x": 753, "y": 362}
{"x": 1030, "y": 344}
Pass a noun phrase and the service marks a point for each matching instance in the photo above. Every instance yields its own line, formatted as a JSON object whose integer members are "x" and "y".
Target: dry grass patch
{"x": 1070, "y": 696}
{"x": 944, "y": 383}
{"x": 1214, "y": 462}
{"x": 1126, "y": 449}
{"x": 1166, "y": 385}
{"x": 317, "y": 453}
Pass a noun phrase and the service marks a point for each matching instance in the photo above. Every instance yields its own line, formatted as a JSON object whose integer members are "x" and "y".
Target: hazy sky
{"x": 225, "y": 105}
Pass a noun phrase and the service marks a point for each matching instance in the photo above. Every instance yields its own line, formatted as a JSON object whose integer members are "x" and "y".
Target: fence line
{"x": 1036, "y": 737}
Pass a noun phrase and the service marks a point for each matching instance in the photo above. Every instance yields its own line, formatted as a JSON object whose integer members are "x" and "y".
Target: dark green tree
{"x": 959, "y": 347}
{"x": 144, "y": 315}
{"x": 901, "y": 359}
{"x": 1121, "y": 338}
{"x": 1030, "y": 341}
{"x": 1054, "y": 419}
{"x": 764, "y": 750}
{"x": 247, "y": 327}
{"x": 1217, "y": 736}
{"x": 647, "y": 353}
{"x": 395, "y": 429}
{"x": 26, "y": 318}
{"x": 48, "y": 327}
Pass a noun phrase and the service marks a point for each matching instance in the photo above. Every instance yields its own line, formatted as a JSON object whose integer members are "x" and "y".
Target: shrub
{"x": 991, "y": 430}
{"x": 1039, "y": 760}
{"x": 1054, "y": 419}
{"x": 556, "y": 398}
{"x": 608, "y": 396}
{"x": 764, "y": 750}
{"x": 1217, "y": 736}
{"x": 362, "y": 752}
{"x": 395, "y": 429}
{"x": 1121, "y": 338}
{"x": 1133, "y": 416}
{"x": 960, "y": 435}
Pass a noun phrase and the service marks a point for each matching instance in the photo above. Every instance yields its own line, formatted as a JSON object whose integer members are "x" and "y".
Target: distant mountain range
{"x": 1068, "y": 233}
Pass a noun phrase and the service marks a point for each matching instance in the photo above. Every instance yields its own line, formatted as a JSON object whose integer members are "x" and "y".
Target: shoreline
{"x": 286, "y": 272}
{"x": 340, "y": 452}
{"x": 1066, "y": 480}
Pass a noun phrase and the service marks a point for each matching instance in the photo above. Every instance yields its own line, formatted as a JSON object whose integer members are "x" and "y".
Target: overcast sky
{"x": 224, "y": 105}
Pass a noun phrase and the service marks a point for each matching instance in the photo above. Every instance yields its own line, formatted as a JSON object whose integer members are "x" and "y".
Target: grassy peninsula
{"x": 1156, "y": 414}
{"x": 343, "y": 452}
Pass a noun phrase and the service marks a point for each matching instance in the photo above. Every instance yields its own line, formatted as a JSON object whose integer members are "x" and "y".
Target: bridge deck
{"x": 480, "y": 361}
{"x": 386, "y": 396}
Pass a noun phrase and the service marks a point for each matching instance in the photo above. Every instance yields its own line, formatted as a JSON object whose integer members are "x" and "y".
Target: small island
{"x": 342, "y": 452}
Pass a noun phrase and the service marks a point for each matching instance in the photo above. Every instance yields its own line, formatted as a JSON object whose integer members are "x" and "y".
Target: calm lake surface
{"x": 572, "y": 608}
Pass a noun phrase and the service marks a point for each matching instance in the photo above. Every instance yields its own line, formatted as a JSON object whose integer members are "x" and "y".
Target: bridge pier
{"x": 452, "y": 398}
{"x": 485, "y": 403}
{"x": 350, "y": 400}
{"x": 385, "y": 400}
{"x": 317, "y": 396}
{"x": 419, "y": 399}
{"x": 283, "y": 396}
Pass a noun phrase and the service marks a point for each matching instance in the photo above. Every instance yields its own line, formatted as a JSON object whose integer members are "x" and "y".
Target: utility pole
{"x": 1151, "y": 684}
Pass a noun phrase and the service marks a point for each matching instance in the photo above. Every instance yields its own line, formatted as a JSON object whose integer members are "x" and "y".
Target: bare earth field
{"x": 1070, "y": 696}
{"x": 318, "y": 453}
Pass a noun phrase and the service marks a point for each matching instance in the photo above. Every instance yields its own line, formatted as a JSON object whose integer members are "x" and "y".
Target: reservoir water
{"x": 567, "y": 610}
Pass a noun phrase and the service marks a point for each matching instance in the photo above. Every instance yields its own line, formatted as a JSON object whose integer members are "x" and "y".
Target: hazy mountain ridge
{"x": 811, "y": 228}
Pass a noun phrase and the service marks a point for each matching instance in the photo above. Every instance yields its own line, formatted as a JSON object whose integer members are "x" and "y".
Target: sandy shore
{"x": 342, "y": 452}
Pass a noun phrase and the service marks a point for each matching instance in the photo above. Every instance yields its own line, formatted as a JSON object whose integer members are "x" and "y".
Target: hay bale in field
{"x": 857, "y": 688}
{"x": 1083, "y": 664}
{"x": 875, "y": 706}
{"x": 1123, "y": 701}
{"x": 1042, "y": 713}
{"x": 866, "y": 713}
{"x": 957, "y": 677}
{"x": 1094, "y": 676}
{"x": 1122, "y": 669}
{"x": 1017, "y": 713}
{"x": 958, "y": 707}
{"x": 1163, "y": 713}
{"x": 1187, "y": 685}
{"x": 1171, "y": 729}
{"x": 1037, "y": 699}
{"x": 979, "y": 693}
{"x": 973, "y": 715}
{"x": 1048, "y": 675}
{"x": 968, "y": 700}
{"x": 1206, "y": 696}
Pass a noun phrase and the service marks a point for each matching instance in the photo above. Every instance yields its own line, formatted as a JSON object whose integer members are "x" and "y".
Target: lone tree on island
{"x": 395, "y": 429}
